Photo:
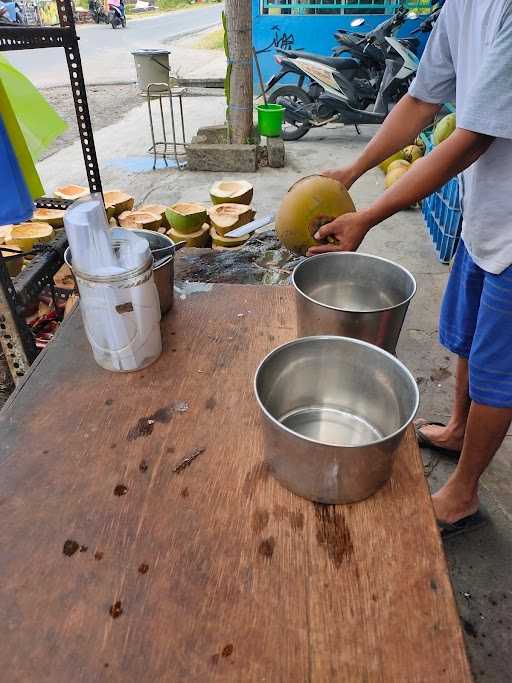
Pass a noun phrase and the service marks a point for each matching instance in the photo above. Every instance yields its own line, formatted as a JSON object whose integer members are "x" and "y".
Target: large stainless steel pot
{"x": 334, "y": 412}
{"x": 353, "y": 295}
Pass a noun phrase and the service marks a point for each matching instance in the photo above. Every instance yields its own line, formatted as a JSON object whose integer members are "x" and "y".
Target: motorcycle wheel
{"x": 294, "y": 95}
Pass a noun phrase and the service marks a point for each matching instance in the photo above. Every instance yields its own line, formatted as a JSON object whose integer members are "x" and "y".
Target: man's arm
{"x": 451, "y": 157}
{"x": 401, "y": 127}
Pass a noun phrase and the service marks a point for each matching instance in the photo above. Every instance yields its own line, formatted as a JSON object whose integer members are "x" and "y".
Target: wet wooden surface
{"x": 117, "y": 567}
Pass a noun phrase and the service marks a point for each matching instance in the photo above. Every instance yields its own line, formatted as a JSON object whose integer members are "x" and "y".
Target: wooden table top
{"x": 118, "y": 562}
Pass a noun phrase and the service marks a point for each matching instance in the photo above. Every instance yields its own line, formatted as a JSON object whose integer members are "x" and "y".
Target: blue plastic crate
{"x": 443, "y": 216}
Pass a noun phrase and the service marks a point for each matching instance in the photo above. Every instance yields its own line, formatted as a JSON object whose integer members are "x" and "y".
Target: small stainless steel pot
{"x": 353, "y": 295}
{"x": 334, "y": 412}
{"x": 163, "y": 266}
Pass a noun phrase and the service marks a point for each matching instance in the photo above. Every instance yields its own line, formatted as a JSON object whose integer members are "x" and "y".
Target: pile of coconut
{"x": 398, "y": 164}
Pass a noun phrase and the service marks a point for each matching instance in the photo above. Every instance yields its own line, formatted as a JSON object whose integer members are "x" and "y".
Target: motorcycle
{"x": 116, "y": 15}
{"x": 97, "y": 12}
{"x": 376, "y": 70}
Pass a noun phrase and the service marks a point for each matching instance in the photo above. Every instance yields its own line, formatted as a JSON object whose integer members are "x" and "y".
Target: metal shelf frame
{"x": 16, "y": 337}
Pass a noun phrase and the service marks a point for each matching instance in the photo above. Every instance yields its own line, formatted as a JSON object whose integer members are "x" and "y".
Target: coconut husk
{"x": 158, "y": 209}
{"x": 116, "y": 202}
{"x": 71, "y": 192}
{"x": 140, "y": 219}
{"x": 227, "y": 242}
{"x": 54, "y": 217}
{"x": 226, "y": 217}
{"x": 25, "y": 235}
{"x": 232, "y": 192}
{"x": 199, "y": 238}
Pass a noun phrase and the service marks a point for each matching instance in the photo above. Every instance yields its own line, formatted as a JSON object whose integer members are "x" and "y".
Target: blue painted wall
{"x": 313, "y": 33}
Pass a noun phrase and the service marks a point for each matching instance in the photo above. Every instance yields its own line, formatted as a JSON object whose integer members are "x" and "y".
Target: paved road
{"x": 106, "y": 53}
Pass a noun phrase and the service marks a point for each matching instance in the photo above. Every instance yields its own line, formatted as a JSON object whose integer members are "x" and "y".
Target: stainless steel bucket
{"x": 334, "y": 412}
{"x": 352, "y": 295}
{"x": 163, "y": 272}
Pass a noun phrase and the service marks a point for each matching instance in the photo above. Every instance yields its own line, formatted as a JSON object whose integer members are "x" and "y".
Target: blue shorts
{"x": 476, "y": 323}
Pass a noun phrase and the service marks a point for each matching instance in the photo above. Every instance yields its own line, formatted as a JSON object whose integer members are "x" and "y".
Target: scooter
{"x": 117, "y": 16}
{"x": 338, "y": 91}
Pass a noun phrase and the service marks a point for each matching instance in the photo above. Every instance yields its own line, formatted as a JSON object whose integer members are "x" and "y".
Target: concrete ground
{"x": 479, "y": 563}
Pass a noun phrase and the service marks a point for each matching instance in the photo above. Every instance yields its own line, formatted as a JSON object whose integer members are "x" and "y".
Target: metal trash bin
{"x": 152, "y": 66}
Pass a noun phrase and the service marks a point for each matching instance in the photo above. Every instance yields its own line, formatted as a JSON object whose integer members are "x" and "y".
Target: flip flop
{"x": 425, "y": 442}
{"x": 463, "y": 526}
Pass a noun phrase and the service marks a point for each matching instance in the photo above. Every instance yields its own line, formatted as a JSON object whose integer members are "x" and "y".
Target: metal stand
{"x": 16, "y": 338}
{"x": 161, "y": 91}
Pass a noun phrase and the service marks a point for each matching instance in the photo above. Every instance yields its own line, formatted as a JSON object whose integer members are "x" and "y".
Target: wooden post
{"x": 239, "y": 40}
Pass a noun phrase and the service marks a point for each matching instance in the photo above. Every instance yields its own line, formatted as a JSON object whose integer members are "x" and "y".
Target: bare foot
{"x": 451, "y": 504}
{"x": 445, "y": 437}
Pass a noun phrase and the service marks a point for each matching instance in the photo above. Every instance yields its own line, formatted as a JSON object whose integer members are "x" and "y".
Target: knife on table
{"x": 250, "y": 227}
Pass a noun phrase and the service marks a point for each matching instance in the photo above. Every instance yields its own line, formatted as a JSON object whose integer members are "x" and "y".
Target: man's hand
{"x": 348, "y": 230}
{"x": 346, "y": 176}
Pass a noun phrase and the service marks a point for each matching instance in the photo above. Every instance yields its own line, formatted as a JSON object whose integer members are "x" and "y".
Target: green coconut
{"x": 186, "y": 217}
{"x": 309, "y": 204}
{"x": 394, "y": 176}
{"x": 394, "y": 157}
{"x": 399, "y": 163}
{"x": 227, "y": 217}
{"x": 231, "y": 192}
{"x": 444, "y": 128}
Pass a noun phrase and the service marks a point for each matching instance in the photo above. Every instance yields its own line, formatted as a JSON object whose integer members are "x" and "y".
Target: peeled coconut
{"x": 227, "y": 217}
{"x": 158, "y": 209}
{"x": 25, "y": 235}
{"x": 186, "y": 217}
{"x": 232, "y": 192}
{"x": 71, "y": 192}
{"x": 412, "y": 153}
{"x": 384, "y": 166}
{"x": 14, "y": 265}
{"x": 309, "y": 204}
{"x": 54, "y": 217}
{"x": 444, "y": 128}
{"x": 227, "y": 242}
{"x": 393, "y": 176}
{"x": 399, "y": 163}
{"x": 199, "y": 238}
{"x": 143, "y": 220}
{"x": 116, "y": 202}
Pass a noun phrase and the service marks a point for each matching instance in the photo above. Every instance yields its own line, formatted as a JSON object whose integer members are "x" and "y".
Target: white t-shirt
{"x": 468, "y": 59}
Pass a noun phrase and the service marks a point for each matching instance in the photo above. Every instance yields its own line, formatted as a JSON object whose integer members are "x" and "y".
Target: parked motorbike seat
{"x": 338, "y": 63}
